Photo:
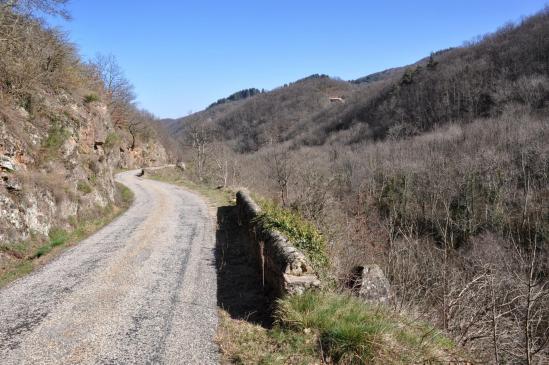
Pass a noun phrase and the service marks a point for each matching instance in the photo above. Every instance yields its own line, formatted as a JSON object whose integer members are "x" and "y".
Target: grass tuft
{"x": 57, "y": 135}
{"x": 112, "y": 140}
{"x": 126, "y": 195}
{"x": 58, "y": 237}
{"x": 326, "y": 327}
{"x": 90, "y": 98}
{"x": 347, "y": 328}
{"x": 83, "y": 187}
{"x": 301, "y": 233}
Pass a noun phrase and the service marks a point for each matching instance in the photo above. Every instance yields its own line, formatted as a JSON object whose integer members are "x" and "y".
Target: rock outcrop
{"x": 58, "y": 163}
{"x": 370, "y": 283}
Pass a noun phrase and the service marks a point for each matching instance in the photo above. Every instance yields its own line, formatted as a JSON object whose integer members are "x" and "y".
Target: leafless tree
{"x": 35, "y": 7}
{"x": 225, "y": 164}
{"x": 138, "y": 125}
{"x": 118, "y": 89}
{"x": 281, "y": 169}
{"x": 200, "y": 138}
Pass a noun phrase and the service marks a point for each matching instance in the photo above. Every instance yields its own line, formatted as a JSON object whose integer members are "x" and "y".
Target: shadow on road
{"x": 239, "y": 288}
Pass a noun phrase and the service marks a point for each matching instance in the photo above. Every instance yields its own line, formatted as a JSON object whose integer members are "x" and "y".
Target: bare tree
{"x": 35, "y": 7}
{"x": 200, "y": 138}
{"x": 118, "y": 89}
{"x": 530, "y": 302}
{"x": 281, "y": 169}
{"x": 224, "y": 163}
{"x": 138, "y": 124}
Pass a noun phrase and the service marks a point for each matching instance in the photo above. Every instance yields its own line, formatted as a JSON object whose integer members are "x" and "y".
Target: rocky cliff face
{"x": 57, "y": 163}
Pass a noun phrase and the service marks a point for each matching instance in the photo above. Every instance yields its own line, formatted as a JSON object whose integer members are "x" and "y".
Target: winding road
{"x": 142, "y": 290}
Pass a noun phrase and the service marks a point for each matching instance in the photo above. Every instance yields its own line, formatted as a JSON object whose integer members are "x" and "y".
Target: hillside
{"x": 479, "y": 79}
{"x": 438, "y": 172}
{"x": 63, "y": 131}
{"x": 278, "y": 115}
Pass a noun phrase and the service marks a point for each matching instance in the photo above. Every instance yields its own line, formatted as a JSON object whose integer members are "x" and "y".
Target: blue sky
{"x": 183, "y": 55}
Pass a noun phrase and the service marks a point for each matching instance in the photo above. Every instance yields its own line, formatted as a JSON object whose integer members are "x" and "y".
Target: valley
{"x": 396, "y": 217}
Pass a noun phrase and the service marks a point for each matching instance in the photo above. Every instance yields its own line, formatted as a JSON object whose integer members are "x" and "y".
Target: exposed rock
{"x": 6, "y": 164}
{"x": 11, "y": 183}
{"x": 48, "y": 173}
{"x": 146, "y": 155}
{"x": 69, "y": 147}
{"x": 369, "y": 283}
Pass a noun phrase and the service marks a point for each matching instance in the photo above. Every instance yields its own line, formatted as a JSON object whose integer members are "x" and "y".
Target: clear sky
{"x": 183, "y": 55}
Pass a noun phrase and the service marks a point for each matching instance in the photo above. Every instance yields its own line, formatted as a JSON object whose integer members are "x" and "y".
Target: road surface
{"x": 140, "y": 291}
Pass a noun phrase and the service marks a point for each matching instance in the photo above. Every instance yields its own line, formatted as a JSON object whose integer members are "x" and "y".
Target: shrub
{"x": 83, "y": 187}
{"x": 90, "y": 98}
{"x": 125, "y": 195}
{"x": 300, "y": 232}
{"x": 57, "y": 135}
{"x": 58, "y": 237}
{"x": 111, "y": 141}
{"x": 42, "y": 250}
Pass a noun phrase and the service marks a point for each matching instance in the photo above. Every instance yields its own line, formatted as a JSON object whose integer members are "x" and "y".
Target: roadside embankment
{"x": 19, "y": 259}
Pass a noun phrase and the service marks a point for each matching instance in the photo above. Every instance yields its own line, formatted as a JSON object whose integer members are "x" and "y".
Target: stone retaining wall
{"x": 283, "y": 268}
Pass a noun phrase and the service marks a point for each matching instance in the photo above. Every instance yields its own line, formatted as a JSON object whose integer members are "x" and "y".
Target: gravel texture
{"x": 140, "y": 291}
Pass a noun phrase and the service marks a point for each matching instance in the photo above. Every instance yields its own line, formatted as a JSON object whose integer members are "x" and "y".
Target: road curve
{"x": 142, "y": 290}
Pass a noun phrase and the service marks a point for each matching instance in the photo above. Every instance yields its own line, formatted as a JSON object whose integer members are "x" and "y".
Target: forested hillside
{"x": 239, "y": 95}
{"x": 437, "y": 171}
{"x": 276, "y": 116}
{"x": 479, "y": 79}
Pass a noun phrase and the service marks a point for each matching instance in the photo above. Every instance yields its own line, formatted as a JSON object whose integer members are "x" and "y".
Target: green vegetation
{"x": 242, "y": 342}
{"x": 57, "y": 237}
{"x": 126, "y": 195}
{"x": 90, "y": 98}
{"x": 57, "y": 135}
{"x": 326, "y": 327}
{"x": 351, "y": 331}
{"x": 83, "y": 187}
{"x": 239, "y": 95}
{"x": 300, "y": 232}
{"x": 112, "y": 140}
{"x": 20, "y": 269}
{"x": 42, "y": 250}
{"x": 26, "y": 256}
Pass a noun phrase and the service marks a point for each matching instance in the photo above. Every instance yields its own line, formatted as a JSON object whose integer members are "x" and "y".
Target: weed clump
{"x": 327, "y": 327}
{"x": 90, "y": 98}
{"x": 57, "y": 135}
{"x": 58, "y": 237}
{"x": 301, "y": 233}
{"x": 83, "y": 187}
{"x": 112, "y": 140}
{"x": 125, "y": 195}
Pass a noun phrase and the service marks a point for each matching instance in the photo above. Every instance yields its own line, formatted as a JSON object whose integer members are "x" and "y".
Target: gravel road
{"x": 140, "y": 291}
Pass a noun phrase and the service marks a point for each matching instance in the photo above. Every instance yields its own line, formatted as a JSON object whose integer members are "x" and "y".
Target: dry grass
{"x": 242, "y": 342}
{"x": 326, "y": 328}
{"x": 173, "y": 175}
